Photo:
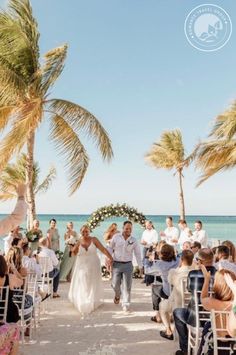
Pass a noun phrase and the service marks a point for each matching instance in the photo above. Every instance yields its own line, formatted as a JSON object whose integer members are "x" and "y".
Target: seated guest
{"x": 195, "y": 247}
{"x": 187, "y": 245}
{"x": 14, "y": 257}
{"x": 168, "y": 261}
{"x": 223, "y": 259}
{"x": 232, "y": 250}
{"x": 184, "y": 316}
{"x": 9, "y": 333}
{"x": 171, "y": 233}
{"x": 52, "y": 264}
{"x": 185, "y": 233}
{"x": 175, "y": 278}
{"x": 232, "y": 316}
{"x": 14, "y": 234}
{"x": 199, "y": 235}
{"x": 221, "y": 300}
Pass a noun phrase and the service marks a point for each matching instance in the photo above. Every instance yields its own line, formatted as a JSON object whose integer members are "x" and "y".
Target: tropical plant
{"x": 15, "y": 173}
{"x": 25, "y": 86}
{"x": 169, "y": 153}
{"x": 219, "y": 151}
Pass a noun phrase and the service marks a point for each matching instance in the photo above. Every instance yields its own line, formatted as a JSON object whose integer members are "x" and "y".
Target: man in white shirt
{"x": 149, "y": 237}
{"x": 10, "y": 222}
{"x": 199, "y": 235}
{"x": 171, "y": 233}
{"x": 52, "y": 264}
{"x": 122, "y": 247}
{"x": 223, "y": 254}
{"x": 185, "y": 233}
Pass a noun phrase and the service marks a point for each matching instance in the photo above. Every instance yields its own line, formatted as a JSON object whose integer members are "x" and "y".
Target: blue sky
{"x": 130, "y": 64}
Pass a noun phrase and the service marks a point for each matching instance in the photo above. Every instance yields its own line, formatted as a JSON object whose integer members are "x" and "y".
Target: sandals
{"x": 166, "y": 336}
{"x": 117, "y": 300}
{"x": 56, "y": 296}
{"x": 154, "y": 319}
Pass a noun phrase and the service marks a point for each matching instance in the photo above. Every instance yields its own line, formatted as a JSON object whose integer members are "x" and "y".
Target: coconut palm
{"x": 169, "y": 154}
{"x": 14, "y": 174}
{"x": 219, "y": 151}
{"x": 25, "y": 88}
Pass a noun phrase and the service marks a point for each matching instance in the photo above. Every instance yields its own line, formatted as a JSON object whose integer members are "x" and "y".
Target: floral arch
{"x": 101, "y": 214}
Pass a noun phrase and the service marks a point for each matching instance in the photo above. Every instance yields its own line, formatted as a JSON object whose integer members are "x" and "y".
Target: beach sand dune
{"x": 107, "y": 331}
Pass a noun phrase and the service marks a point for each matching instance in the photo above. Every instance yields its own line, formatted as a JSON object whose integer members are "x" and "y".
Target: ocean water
{"x": 217, "y": 227}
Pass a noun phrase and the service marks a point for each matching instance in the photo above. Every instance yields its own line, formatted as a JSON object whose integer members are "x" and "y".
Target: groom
{"x": 122, "y": 247}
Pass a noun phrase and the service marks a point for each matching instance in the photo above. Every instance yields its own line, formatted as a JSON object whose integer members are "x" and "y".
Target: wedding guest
{"x": 123, "y": 247}
{"x": 199, "y": 235}
{"x": 168, "y": 261}
{"x": 34, "y": 234}
{"x": 12, "y": 221}
{"x": 231, "y": 327}
{"x": 184, "y": 316}
{"x": 110, "y": 232}
{"x": 232, "y": 250}
{"x": 223, "y": 259}
{"x": 149, "y": 237}
{"x": 14, "y": 257}
{"x": 52, "y": 264}
{"x": 185, "y": 233}
{"x": 187, "y": 245}
{"x": 221, "y": 300}
{"x": 68, "y": 260}
{"x": 14, "y": 234}
{"x": 53, "y": 235}
{"x": 195, "y": 247}
{"x": 175, "y": 278}
{"x": 171, "y": 233}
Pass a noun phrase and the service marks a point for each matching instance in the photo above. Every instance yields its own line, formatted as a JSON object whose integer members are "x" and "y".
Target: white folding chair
{"x": 219, "y": 326}
{"x": 26, "y": 314}
{"x": 32, "y": 289}
{"x": 4, "y": 293}
{"x": 46, "y": 282}
{"x": 195, "y": 333}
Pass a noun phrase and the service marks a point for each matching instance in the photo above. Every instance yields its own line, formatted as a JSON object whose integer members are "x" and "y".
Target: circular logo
{"x": 208, "y": 27}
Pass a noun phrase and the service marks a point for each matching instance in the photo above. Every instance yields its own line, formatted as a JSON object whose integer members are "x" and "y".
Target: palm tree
{"x": 219, "y": 151}
{"x": 13, "y": 174}
{"x": 26, "y": 83}
{"x": 169, "y": 154}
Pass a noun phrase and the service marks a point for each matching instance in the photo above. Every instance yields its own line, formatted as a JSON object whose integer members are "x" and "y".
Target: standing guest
{"x": 14, "y": 234}
{"x": 34, "y": 235}
{"x": 185, "y": 233}
{"x": 175, "y": 278}
{"x": 195, "y": 247}
{"x": 223, "y": 259}
{"x": 122, "y": 247}
{"x": 168, "y": 261}
{"x": 199, "y": 235}
{"x": 232, "y": 250}
{"x": 53, "y": 262}
{"x": 184, "y": 316}
{"x": 171, "y": 233}
{"x": 68, "y": 260}
{"x": 53, "y": 235}
{"x": 149, "y": 238}
{"x": 10, "y": 222}
{"x": 111, "y": 231}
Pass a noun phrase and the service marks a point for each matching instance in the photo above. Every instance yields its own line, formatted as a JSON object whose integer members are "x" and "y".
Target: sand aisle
{"x": 108, "y": 331}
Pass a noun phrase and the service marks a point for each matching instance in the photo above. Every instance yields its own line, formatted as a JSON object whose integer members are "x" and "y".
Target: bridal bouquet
{"x": 33, "y": 236}
{"x": 71, "y": 241}
{"x": 59, "y": 254}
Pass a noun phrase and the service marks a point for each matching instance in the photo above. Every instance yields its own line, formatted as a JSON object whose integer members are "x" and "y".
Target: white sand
{"x": 107, "y": 331}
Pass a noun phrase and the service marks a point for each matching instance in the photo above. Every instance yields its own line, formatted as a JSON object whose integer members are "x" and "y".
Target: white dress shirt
{"x": 170, "y": 234}
{"x": 227, "y": 265}
{"x": 13, "y": 220}
{"x": 150, "y": 236}
{"x": 184, "y": 237}
{"x": 123, "y": 250}
{"x": 201, "y": 237}
{"x": 52, "y": 259}
{"x": 31, "y": 265}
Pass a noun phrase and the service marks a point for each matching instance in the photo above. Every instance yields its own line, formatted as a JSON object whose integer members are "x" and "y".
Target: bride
{"x": 86, "y": 289}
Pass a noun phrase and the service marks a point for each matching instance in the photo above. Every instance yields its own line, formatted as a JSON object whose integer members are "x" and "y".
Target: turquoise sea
{"x": 217, "y": 227}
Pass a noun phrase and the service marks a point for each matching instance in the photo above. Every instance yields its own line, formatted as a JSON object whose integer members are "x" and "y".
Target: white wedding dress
{"x": 86, "y": 289}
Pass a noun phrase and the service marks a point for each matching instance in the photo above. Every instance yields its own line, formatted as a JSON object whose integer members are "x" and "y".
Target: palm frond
{"x": 225, "y": 124}
{"x": 81, "y": 119}
{"x": 54, "y": 64}
{"x": 5, "y": 113}
{"x": 46, "y": 183}
{"x": 69, "y": 145}
{"x": 5, "y": 196}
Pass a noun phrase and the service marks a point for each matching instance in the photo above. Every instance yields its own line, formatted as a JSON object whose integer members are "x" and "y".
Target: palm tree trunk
{"x": 181, "y": 195}
{"x": 31, "y": 215}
